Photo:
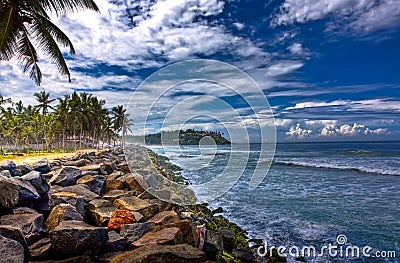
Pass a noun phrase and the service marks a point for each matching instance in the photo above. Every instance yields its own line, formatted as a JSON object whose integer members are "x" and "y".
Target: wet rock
{"x": 42, "y": 166}
{"x": 182, "y": 253}
{"x": 60, "y": 213}
{"x": 78, "y": 238}
{"x": 133, "y": 232}
{"x": 166, "y": 236}
{"x": 100, "y": 211}
{"x": 9, "y": 194}
{"x": 28, "y": 221}
{"x": 11, "y": 250}
{"x": 165, "y": 217}
{"x": 37, "y": 180}
{"x": 133, "y": 203}
{"x": 115, "y": 242}
{"x": 66, "y": 176}
{"x": 119, "y": 218}
{"x": 40, "y": 250}
{"x": 213, "y": 244}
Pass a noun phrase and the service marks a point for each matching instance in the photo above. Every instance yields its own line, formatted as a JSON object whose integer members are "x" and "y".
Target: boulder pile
{"x": 93, "y": 207}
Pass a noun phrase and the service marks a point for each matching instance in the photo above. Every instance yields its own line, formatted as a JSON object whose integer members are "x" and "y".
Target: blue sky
{"x": 330, "y": 69}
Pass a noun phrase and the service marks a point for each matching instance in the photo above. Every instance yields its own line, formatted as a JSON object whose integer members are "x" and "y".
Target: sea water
{"x": 313, "y": 193}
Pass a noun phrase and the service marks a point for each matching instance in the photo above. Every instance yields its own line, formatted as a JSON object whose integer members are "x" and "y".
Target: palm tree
{"x": 44, "y": 105}
{"x": 22, "y": 21}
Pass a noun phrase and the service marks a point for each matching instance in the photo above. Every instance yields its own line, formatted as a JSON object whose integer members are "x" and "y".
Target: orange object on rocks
{"x": 119, "y": 218}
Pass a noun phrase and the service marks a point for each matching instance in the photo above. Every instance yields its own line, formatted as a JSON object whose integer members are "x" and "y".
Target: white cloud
{"x": 283, "y": 67}
{"x": 363, "y": 16}
{"x": 296, "y": 49}
{"x": 373, "y": 105}
{"x": 239, "y": 26}
{"x": 332, "y": 128}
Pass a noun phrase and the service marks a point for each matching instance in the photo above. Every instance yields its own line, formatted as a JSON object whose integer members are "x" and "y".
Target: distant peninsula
{"x": 185, "y": 137}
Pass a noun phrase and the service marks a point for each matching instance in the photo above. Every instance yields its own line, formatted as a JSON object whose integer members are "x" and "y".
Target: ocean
{"x": 313, "y": 194}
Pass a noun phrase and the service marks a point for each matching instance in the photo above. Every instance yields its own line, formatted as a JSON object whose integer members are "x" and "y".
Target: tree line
{"x": 77, "y": 120}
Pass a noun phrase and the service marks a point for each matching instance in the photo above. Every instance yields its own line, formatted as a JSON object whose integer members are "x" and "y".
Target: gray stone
{"x": 41, "y": 249}
{"x": 133, "y": 232}
{"x": 66, "y": 176}
{"x": 9, "y": 194}
{"x": 42, "y": 166}
{"x": 37, "y": 180}
{"x": 78, "y": 238}
{"x": 11, "y": 251}
{"x": 115, "y": 242}
{"x": 100, "y": 211}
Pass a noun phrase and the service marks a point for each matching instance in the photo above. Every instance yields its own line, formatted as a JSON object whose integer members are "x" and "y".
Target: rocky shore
{"x": 93, "y": 207}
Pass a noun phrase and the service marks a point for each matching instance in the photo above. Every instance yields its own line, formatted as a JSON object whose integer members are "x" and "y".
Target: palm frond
{"x": 40, "y": 31}
{"x": 61, "y": 7}
{"x": 9, "y": 24}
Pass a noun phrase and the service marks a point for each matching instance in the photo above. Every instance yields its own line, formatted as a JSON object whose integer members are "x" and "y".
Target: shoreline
{"x": 77, "y": 196}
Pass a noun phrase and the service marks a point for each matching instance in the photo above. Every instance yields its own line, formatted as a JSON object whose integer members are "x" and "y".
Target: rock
{"x": 11, "y": 250}
{"x": 228, "y": 237}
{"x": 79, "y": 259}
{"x": 37, "y": 180}
{"x": 213, "y": 244}
{"x": 9, "y": 194}
{"x": 24, "y": 168}
{"x": 100, "y": 211}
{"x": 133, "y": 232}
{"x": 27, "y": 194}
{"x": 66, "y": 176}
{"x": 186, "y": 215}
{"x": 246, "y": 255}
{"x": 136, "y": 183}
{"x": 80, "y": 190}
{"x": 113, "y": 182}
{"x": 80, "y": 202}
{"x": 166, "y": 236}
{"x": 133, "y": 203}
{"x": 28, "y": 221}
{"x": 107, "y": 168}
{"x": 115, "y": 194}
{"x": 60, "y": 213}
{"x": 40, "y": 250}
{"x": 93, "y": 167}
{"x": 115, "y": 242}
{"x": 120, "y": 218}
{"x": 182, "y": 253}
{"x": 165, "y": 217}
{"x": 123, "y": 167}
{"x": 78, "y": 238}
{"x": 106, "y": 258}
{"x": 14, "y": 233}
{"x": 96, "y": 184}
{"x": 10, "y": 166}
{"x": 5, "y": 173}
{"x": 188, "y": 231}
{"x": 217, "y": 211}
{"x": 77, "y": 163}
{"x": 42, "y": 166}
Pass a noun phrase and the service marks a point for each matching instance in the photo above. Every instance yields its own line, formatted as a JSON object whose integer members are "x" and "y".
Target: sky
{"x": 329, "y": 69}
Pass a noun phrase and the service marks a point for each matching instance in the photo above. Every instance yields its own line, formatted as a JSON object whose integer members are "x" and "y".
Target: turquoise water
{"x": 313, "y": 193}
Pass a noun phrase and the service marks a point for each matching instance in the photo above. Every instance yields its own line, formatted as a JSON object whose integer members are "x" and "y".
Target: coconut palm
{"x": 25, "y": 26}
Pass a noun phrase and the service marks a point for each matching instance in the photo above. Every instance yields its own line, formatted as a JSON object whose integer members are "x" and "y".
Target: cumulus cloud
{"x": 363, "y": 16}
{"x": 331, "y": 128}
{"x": 297, "y": 49}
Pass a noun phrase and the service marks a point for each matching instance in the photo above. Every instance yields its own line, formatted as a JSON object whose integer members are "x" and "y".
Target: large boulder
{"x": 166, "y": 236}
{"x": 14, "y": 233}
{"x": 115, "y": 194}
{"x": 11, "y": 250}
{"x": 133, "y": 203}
{"x": 137, "y": 183}
{"x": 101, "y": 211}
{"x": 107, "y": 168}
{"x": 29, "y": 222}
{"x": 187, "y": 228}
{"x": 66, "y": 176}
{"x": 41, "y": 249}
{"x": 60, "y": 213}
{"x": 9, "y": 194}
{"x": 42, "y": 166}
{"x": 78, "y": 238}
{"x": 115, "y": 242}
{"x": 133, "y": 232}
{"x": 37, "y": 180}
{"x": 165, "y": 217}
{"x": 23, "y": 169}
{"x": 96, "y": 184}
{"x": 182, "y": 253}
{"x": 213, "y": 244}
{"x": 10, "y": 166}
